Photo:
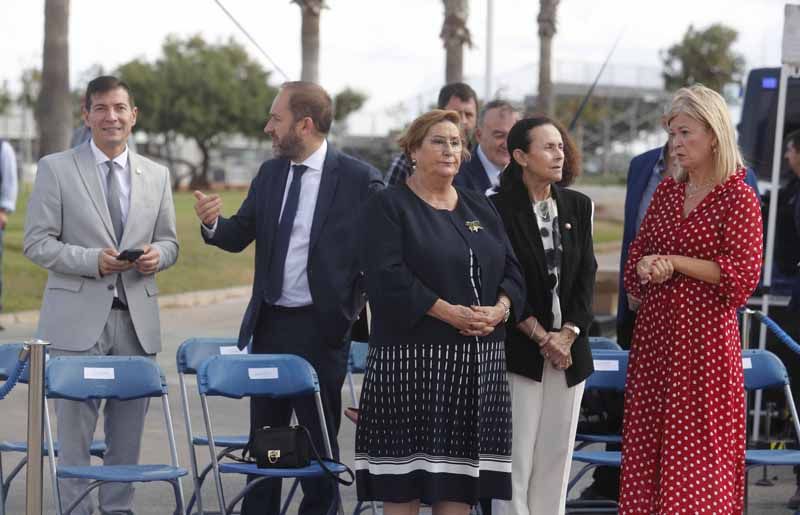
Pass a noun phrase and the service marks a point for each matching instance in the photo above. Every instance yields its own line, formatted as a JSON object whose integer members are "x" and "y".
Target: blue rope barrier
{"x": 11, "y": 382}
{"x": 777, "y": 331}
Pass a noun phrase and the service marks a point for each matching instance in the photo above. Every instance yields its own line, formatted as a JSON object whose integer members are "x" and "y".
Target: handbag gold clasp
{"x": 273, "y": 456}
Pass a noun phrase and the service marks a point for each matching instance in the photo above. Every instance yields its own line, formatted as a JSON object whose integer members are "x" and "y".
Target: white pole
{"x": 489, "y": 48}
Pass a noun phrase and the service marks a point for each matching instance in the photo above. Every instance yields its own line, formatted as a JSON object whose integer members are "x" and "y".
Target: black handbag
{"x": 286, "y": 447}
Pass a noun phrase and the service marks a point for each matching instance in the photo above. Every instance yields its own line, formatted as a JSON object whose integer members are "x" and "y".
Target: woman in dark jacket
{"x": 548, "y": 356}
{"x": 435, "y": 421}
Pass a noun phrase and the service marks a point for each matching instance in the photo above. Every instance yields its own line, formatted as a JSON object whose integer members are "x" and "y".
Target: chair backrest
{"x": 194, "y": 351}
{"x": 610, "y": 370}
{"x": 264, "y": 375}
{"x": 603, "y": 343}
{"x": 9, "y": 356}
{"x": 357, "y": 361}
{"x": 103, "y": 377}
{"x": 763, "y": 370}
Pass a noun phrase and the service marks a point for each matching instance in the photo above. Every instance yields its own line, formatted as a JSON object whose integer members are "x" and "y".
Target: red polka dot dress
{"x": 683, "y": 437}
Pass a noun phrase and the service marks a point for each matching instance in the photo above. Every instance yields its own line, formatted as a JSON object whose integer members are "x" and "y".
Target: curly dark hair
{"x": 519, "y": 137}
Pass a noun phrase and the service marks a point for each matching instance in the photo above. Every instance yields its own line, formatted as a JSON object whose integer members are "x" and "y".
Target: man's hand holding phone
{"x": 147, "y": 262}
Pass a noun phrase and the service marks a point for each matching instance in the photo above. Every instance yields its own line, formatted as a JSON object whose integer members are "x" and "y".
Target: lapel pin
{"x": 568, "y": 226}
{"x": 473, "y": 225}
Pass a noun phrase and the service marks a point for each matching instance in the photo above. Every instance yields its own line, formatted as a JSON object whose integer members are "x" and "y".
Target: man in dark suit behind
{"x": 481, "y": 172}
{"x": 302, "y": 210}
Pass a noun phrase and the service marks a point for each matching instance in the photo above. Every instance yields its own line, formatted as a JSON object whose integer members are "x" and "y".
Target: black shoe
{"x": 794, "y": 500}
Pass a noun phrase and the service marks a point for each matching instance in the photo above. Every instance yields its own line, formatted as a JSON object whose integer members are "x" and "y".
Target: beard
{"x": 288, "y": 147}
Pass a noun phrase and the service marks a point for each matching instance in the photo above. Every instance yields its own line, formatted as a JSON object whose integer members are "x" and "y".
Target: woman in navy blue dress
{"x": 435, "y": 421}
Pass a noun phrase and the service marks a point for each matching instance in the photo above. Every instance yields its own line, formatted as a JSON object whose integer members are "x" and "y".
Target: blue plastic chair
{"x": 190, "y": 356}
{"x": 603, "y": 343}
{"x": 610, "y": 371}
{"x": 267, "y": 375}
{"x": 9, "y": 354}
{"x": 128, "y": 378}
{"x": 763, "y": 370}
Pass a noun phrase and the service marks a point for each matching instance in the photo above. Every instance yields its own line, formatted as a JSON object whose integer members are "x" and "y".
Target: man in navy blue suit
{"x": 302, "y": 210}
{"x": 645, "y": 173}
{"x": 490, "y": 156}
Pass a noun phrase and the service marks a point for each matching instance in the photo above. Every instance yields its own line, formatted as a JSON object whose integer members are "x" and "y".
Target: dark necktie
{"x": 114, "y": 209}
{"x": 112, "y": 199}
{"x": 280, "y": 246}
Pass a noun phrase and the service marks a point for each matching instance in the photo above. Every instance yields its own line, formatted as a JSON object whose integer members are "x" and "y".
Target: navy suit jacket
{"x": 639, "y": 172}
{"x": 334, "y": 269}
{"x": 472, "y": 175}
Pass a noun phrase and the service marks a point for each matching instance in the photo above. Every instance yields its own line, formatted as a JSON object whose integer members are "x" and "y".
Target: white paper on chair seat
{"x": 262, "y": 373}
{"x": 606, "y": 365}
{"x": 232, "y": 349}
{"x": 98, "y": 373}
{"x": 747, "y": 363}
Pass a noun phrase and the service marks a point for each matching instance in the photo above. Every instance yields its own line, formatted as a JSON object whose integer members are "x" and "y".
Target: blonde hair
{"x": 412, "y": 138}
{"x": 708, "y": 107}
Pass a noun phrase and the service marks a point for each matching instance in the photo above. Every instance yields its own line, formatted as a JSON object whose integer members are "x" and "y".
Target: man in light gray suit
{"x": 89, "y": 204}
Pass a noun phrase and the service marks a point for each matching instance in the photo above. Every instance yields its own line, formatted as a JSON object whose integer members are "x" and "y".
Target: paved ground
{"x": 222, "y": 320}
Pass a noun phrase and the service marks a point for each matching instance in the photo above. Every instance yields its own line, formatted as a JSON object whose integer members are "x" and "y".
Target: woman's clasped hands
{"x": 476, "y": 320}
{"x": 654, "y": 269}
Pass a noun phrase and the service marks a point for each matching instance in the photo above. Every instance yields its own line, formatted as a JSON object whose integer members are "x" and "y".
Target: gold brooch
{"x": 474, "y": 225}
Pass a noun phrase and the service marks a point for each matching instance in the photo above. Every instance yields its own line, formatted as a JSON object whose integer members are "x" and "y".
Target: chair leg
{"x": 178, "y": 497}
{"x": 290, "y": 496}
{"x": 246, "y": 490}
{"x": 87, "y": 491}
{"x": 2, "y": 488}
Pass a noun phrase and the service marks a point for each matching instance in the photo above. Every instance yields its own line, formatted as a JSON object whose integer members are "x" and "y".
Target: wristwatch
{"x": 574, "y": 328}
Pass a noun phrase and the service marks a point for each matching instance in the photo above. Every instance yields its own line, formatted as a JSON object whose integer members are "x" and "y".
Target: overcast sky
{"x": 390, "y": 49}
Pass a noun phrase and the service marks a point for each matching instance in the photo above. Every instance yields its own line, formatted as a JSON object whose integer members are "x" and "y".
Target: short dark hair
{"x": 104, "y": 84}
{"x": 519, "y": 137}
{"x": 307, "y": 99}
{"x": 794, "y": 138}
{"x": 456, "y": 89}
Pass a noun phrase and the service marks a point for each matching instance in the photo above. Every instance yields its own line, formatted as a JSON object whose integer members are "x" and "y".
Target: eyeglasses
{"x": 444, "y": 143}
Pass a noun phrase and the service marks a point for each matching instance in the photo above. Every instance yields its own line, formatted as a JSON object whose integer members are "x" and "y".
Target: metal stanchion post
{"x": 33, "y": 474}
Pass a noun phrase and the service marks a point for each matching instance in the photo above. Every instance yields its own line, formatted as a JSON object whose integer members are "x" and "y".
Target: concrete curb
{"x": 178, "y": 300}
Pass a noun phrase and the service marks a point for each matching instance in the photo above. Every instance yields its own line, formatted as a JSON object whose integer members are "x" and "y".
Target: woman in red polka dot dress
{"x": 696, "y": 259}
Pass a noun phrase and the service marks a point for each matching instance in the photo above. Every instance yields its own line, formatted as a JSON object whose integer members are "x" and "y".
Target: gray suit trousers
{"x": 123, "y": 425}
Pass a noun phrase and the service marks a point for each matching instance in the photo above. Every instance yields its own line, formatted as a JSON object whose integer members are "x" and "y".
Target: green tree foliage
{"x": 346, "y": 102}
{"x": 200, "y": 91}
{"x": 705, "y": 57}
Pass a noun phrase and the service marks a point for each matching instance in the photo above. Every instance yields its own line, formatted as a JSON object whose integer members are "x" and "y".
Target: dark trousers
{"x": 294, "y": 331}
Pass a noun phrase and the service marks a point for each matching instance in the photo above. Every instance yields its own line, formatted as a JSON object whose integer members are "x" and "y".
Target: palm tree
{"x": 547, "y": 29}
{"x": 54, "y": 105}
{"x": 455, "y": 35}
{"x": 309, "y": 38}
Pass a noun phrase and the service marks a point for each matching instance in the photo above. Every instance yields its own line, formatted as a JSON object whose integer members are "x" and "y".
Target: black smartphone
{"x": 130, "y": 255}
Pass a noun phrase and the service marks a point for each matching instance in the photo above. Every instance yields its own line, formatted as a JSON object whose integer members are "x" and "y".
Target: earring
{"x": 413, "y": 164}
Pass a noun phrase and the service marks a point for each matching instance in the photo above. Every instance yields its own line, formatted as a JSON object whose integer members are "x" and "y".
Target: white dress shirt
{"x": 296, "y": 292}
{"x": 492, "y": 171}
{"x": 8, "y": 182}
{"x": 123, "y": 171}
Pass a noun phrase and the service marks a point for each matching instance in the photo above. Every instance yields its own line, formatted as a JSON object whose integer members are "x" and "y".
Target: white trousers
{"x": 545, "y": 419}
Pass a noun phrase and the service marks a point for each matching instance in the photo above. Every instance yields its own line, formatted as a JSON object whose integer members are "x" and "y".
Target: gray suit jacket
{"x": 66, "y": 227}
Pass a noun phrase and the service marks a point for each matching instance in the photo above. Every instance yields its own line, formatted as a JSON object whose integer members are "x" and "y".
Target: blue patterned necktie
{"x": 280, "y": 245}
